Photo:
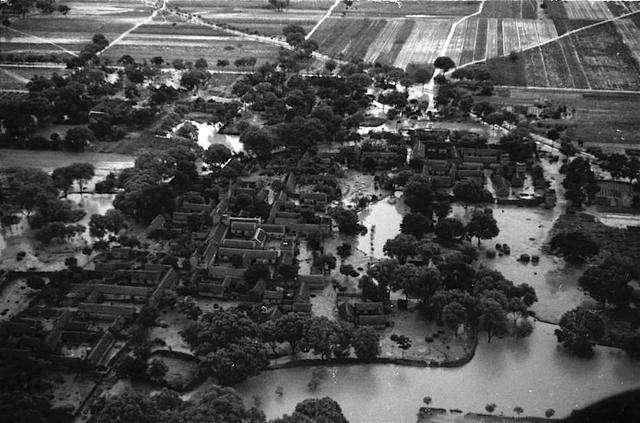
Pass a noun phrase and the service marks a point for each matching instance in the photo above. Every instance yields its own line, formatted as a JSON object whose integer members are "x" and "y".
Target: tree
{"x": 403, "y": 342}
{"x": 291, "y": 328}
{"x": 373, "y": 291}
{"x": 482, "y": 225}
{"x": 401, "y": 247}
{"x": 579, "y": 329}
{"x": 418, "y": 195}
{"x": 607, "y": 284}
{"x": 63, "y": 177}
{"x": 218, "y": 328}
{"x": 156, "y": 370}
{"x": 443, "y": 62}
{"x": 294, "y": 35}
{"x": 235, "y": 362}
{"x": 347, "y": 221}
{"x": 320, "y": 410}
{"x": 344, "y": 250}
{"x": 416, "y": 224}
{"x": 217, "y": 154}
{"x": 63, "y": 9}
{"x": 279, "y": 5}
{"x": 255, "y": 272}
{"x": 419, "y": 282}
{"x": 77, "y": 139}
{"x": 192, "y": 78}
{"x": 201, "y": 64}
{"x": 469, "y": 192}
{"x": 575, "y": 247}
{"x": 321, "y": 337}
{"x": 259, "y": 141}
{"x": 189, "y": 308}
{"x": 366, "y": 343}
{"x": 111, "y": 222}
{"x": 580, "y": 181}
{"x": 449, "y": 230}
{"x": 518, "y": 144}
{"x": 454, "y": 314}
{"x": 492, "y": 318}
{"x": 35, "y": 282}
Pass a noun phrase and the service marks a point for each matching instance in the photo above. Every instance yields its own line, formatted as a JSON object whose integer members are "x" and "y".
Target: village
{"x": 311, "y": 232}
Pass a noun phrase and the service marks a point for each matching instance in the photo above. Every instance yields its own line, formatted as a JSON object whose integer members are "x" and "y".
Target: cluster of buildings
{"x": 446, "y": 163}
{"x": 82, "y": 330}
{"x": 235, "y": 242}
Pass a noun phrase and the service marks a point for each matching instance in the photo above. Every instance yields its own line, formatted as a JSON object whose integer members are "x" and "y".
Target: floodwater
{"x": 532, "y": 373}
{"x": 50, "y": 160}
{"x": 19, "y": 237}
{"x": 382, "y": 220}
{"x": 208, "y": 134}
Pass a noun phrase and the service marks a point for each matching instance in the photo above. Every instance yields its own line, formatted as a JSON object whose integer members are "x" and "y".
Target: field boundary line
{"x": 559, "y": 37}
{"x": 322, "y": 19}
{"x": 40, "y": 38}
{"x": 195, "y": 19}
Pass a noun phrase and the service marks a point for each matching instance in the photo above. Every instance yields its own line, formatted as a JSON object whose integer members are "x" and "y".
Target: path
{"x": 15, "y": 76}
{"x": 443, "y": 51}
{"x": 136, "y": 26}
{"x": 40, "y": 38}
{"x": 322, "y": 19}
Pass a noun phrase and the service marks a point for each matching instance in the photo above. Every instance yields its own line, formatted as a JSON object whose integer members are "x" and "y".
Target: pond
{"x": 209, "y": 134}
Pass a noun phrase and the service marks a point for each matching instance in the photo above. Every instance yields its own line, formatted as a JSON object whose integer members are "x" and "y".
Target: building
{"x": 615, "y": 194}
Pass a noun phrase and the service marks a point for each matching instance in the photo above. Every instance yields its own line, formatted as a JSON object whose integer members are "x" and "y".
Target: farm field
{"x": 346, "y": 38}
{"x": 140, "y": 45}
{"x": 522, "y": 9}
{"x": 601, "y": 119}
{"x": 256, "y": 17}
{"x": 480, "y": 38}
{"x": 15, "y": 77}
{"x": 424, "y": 43}
{"x": 72, "y": 32}
{"x": 601, "y": 58}
{"x": 410, "y": 9}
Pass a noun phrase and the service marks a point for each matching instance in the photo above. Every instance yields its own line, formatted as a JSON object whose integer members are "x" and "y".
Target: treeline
{"x": 236, "y": 343}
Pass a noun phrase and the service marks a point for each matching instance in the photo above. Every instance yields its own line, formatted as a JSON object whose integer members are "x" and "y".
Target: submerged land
{"x": 319, "y": 211}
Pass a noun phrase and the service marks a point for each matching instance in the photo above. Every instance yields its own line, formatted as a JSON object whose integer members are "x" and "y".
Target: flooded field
{"x": 50, "y": 160}
{"x": 19, "y": 237}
